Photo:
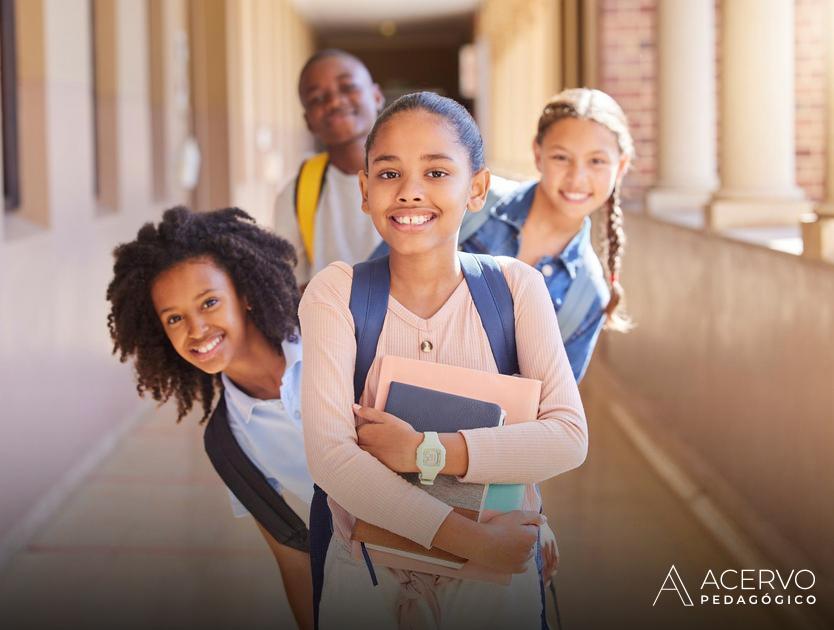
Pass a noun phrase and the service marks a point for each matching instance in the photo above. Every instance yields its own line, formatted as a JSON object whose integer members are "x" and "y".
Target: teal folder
{"x": 504, "y": 497}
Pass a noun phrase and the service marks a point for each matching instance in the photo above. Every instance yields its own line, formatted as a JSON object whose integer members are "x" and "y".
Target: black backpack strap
{"x": 494, "y": 303}
{"x": 321, "y": 531}
{"x": 249, "y": 485}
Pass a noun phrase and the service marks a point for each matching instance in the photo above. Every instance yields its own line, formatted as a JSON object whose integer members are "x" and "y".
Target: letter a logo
{"x": 677, "y": 585}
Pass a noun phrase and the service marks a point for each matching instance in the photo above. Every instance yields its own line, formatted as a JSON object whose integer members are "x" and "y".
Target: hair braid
{"x": 614, "y": 245}
{"x": 599, "y": 107}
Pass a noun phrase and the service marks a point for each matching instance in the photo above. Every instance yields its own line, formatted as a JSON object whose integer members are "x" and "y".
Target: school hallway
{"x": 148, "y": 541}
{"x": 711, "y": 422}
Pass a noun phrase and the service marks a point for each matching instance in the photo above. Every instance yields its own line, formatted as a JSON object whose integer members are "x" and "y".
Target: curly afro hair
{"x": 259, "y": 263}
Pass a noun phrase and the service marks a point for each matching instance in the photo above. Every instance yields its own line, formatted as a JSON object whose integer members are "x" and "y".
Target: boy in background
{"x": 319, "y": 211}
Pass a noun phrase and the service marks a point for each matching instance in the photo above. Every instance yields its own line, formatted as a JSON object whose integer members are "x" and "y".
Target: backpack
{"x": 582, "y": 292}
{"x": 580, "y": 295}
{"x": 248, "y": 483}
{"x": 368, "y": 306}
{"x": 499, "y": 189}
{"x": 308, "y": 187}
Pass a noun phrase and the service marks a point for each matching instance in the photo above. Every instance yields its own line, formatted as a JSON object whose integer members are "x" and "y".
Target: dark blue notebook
{"x": 431, "y": 410}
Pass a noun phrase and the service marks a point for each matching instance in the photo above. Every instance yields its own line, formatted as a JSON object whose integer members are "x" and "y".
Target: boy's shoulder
{"x": 287, "y": 194}
{"x": 285, "y": 201}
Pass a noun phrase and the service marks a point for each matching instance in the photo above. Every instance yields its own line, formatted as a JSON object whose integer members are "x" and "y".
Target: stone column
{"x": 209, "y": 40}
{"x": 758, "y": 185}
{"x": 687, "y": 174}
{"x": 818, "y": 233}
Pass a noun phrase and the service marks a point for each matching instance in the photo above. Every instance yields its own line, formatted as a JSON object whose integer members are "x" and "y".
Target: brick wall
{"x": 810, "y": 96}
{"x": 627, "y": 71}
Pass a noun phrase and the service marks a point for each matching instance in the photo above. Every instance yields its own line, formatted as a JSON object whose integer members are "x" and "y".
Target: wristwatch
{"x": 431, "y": 457}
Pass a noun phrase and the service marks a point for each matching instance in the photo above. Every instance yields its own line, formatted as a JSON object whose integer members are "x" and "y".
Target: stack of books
{"x": 447, "y": 399}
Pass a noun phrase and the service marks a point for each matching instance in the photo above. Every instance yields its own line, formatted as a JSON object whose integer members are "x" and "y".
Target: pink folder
{"x": 518, "y": 396}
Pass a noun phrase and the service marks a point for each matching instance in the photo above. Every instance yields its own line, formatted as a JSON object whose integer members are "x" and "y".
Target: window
{"x": 8, "y": 78}
{"x": 105, "y": 104}
{"x": 156, "y": 77}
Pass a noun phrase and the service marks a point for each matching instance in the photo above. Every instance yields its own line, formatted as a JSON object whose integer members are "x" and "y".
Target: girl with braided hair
{"x": 582, "y": 149}
{"x": 206, "y": 303}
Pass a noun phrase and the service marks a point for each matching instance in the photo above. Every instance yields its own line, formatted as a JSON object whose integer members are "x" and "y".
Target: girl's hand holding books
{"x": 512, "y": 540}
{"x": 505, "y": 543}
{"x": 392, "y": 441}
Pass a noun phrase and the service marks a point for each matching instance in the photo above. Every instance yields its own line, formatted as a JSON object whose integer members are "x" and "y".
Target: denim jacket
{"x": 500, "y": 236}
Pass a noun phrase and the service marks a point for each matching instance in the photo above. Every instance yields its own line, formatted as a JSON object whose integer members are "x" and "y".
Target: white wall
{"x": 62, "y": 392}
{"x": 64, "y": 399}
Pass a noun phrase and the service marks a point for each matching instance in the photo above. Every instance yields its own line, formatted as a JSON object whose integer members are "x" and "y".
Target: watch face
{"x": 431, "y": 457}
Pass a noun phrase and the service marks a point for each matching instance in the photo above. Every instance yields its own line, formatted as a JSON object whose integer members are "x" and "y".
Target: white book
{"x": 416, "y": 556}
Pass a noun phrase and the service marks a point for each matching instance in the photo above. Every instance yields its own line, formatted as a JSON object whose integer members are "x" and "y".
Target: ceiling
{"x": 360, "y": 14}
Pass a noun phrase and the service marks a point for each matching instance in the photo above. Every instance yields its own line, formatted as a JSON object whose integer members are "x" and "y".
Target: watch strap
{"x": 430, "y": 470}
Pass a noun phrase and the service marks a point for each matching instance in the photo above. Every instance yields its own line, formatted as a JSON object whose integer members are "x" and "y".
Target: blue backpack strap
{"x": 580, "y": 295}
{"x": 380, "y": 250}
{"x": 368, "y": 305}
{"x": 499, "y": 190}
{"x": 494, "y": 302}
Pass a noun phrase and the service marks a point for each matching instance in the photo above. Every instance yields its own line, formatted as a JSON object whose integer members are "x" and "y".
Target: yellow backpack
{"x": 308, "y": 186}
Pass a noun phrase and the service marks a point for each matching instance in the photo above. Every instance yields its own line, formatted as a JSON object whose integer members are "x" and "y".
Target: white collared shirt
{"x": 271, "y": 435}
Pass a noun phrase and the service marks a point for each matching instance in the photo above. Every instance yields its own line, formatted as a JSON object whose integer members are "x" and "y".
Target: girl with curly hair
{"x": 207, "y": 302}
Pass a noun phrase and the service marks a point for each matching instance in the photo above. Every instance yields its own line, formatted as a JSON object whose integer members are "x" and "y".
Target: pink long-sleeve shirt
{"x": 359, "y": 485}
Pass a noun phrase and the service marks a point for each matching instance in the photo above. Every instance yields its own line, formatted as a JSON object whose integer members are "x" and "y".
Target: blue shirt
{"x": 270, "y": 433}
{"x": 500, "y": 236}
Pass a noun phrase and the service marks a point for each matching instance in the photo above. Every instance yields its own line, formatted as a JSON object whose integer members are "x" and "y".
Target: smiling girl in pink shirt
{"x": 424, "y": 169}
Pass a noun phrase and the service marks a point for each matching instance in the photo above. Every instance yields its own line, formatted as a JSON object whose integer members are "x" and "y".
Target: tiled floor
{"x": 149, "y": 542}
{"x": 620, "y": 529}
